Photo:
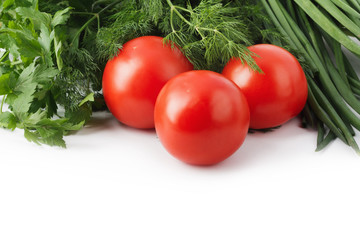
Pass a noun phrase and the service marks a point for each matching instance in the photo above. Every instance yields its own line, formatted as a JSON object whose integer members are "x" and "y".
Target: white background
{"x": 114, "y": 182}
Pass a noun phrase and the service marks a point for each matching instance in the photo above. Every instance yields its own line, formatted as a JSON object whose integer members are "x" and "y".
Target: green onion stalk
{"x": 322, "y": 31}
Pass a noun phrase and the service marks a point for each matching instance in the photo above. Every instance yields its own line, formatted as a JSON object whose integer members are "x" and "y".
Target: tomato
{"x": 276, "y": 95}
{"x": 133, "y": 79}
{"x": 201, "y": 117}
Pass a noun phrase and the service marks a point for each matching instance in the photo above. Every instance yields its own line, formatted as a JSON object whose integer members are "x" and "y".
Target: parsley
{"x": 31, "y": 64}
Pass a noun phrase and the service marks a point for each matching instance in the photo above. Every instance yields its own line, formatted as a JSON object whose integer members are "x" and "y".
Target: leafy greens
{"x": 53, "y": 52}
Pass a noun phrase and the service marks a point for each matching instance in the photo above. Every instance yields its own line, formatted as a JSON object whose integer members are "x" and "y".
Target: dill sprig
{"x": 130, "y": 22}
{"x": 209, "y": 32}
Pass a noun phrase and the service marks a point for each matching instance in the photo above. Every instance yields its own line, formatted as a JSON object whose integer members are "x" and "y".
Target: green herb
{"x": 317, "y": 30}
{"x": 29, "y": 71}
{"x": 209, "y": 32}
{"x": 53, "y": 52}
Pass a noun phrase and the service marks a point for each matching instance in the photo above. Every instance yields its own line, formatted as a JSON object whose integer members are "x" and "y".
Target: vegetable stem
{"x": 2, "y": 104}
{"x": 327, "y": 95}
{"x": 325, "y": 23}
{"x": 197, "y": 28}
{"x": 4, "y": 56}
{"x": 173, "y": 8}
{"x": 96, "y": 16}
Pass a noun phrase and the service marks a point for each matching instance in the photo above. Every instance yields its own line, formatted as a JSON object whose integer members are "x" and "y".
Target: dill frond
{"x": 210, "y": 34}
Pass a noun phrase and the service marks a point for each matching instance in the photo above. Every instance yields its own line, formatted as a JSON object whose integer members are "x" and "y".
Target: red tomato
{"x": 132, "y": 80}
{"x": 276, "y": 95}
{"x": 201, "y": 117}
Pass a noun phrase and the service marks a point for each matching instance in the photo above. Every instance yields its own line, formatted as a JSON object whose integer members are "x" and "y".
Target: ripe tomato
{"x": 201, "y": 117}
{"x": 276, "y": 95}
{"x": 132, "y": 80}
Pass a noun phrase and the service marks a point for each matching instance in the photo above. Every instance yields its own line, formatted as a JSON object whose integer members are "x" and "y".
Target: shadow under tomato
{"x": 260, "y": 148}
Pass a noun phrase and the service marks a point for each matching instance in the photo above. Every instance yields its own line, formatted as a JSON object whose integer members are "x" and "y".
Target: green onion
{"x": 334, "y": 90}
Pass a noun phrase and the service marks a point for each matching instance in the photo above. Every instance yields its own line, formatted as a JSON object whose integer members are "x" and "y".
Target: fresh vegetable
{"x": 317, "y": 30}
{"x": 201, "y": 117}
{"x": 133, "y": 79}
{"x": 49, "y": 67}
{"x": 53, "y": 53}
{"x": 276, "y": 94}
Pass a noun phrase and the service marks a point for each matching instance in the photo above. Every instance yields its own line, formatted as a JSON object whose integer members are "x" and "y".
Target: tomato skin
{"x": 276, "y": 95}
{"x": 132, "y": 80}
{"x": 201, "y": 117}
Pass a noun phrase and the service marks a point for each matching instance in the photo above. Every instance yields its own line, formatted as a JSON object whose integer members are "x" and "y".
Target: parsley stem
{"x": 96, "y": 16}
{"x": 16, "y": 63}
{"x": 2, "y": 104}
{"x": 4, "y": 56}
{"x": 83, "y": 27}
{"x": 84, "y": 13}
